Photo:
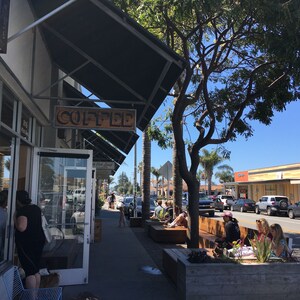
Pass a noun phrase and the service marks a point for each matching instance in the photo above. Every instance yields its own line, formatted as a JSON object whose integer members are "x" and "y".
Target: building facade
{"x": 277, "y": 180}
{"x": 53, "y": 51}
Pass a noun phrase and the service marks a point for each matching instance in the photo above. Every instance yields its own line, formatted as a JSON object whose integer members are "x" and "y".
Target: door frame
{"x": 76, "y": 275}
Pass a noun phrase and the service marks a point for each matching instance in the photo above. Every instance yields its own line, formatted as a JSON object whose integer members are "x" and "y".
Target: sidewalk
{"x": 117, "y": 265}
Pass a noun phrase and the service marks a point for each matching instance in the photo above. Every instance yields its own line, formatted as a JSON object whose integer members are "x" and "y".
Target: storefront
{"x": 55, "y": 50}
{"x": 278, "y": 180}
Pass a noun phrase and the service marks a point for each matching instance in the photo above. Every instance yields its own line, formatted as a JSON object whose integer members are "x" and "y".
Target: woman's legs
{"x": 33, "y": 281}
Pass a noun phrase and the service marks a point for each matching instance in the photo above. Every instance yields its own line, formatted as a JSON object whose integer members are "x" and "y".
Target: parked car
{"x": 227, "y": 200}
{"x": 206, "y": 206}
{"x": 139, "y": 207}
{"x": 294, "y": 210}
{"x": 77, "y": 220}
{"x": 126, "y": 200}
{"x": 79, "y": 196}
{"x": 272, "y": 204}
{"x": 218, "y": 204}
{"x": 243, "y": 205}
{"x": 56, "y": 208}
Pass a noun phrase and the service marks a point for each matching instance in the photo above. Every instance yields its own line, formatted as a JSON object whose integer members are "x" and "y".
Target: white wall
{"x": 21, "y": 52}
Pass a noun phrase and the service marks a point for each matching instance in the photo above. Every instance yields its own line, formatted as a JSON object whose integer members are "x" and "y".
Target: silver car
{"x": 294, "y": 210}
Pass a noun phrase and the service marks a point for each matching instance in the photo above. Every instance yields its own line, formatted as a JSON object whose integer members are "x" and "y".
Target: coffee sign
{"x": 95, "y": 118}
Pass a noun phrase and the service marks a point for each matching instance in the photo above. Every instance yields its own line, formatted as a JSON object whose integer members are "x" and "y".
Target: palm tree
{"x": 208, "y": 161}
{"x": 226, "y": 174}
{"x": 140, "y": 170}
{"x": 155, "y": 172}
{"x": 146, "y": 175}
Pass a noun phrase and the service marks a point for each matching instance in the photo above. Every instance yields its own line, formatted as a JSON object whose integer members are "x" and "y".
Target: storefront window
{"x": 7, "y": 110}
{"x": 5, "y": 180}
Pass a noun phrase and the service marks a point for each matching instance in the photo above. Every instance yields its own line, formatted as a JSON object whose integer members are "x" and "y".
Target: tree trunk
{"x": 177, "y": 180}
{"x": 146, "y": 175}
{"x": 193, "y": 212}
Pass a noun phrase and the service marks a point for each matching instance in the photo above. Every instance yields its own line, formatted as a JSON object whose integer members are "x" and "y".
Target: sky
{"x": 273, "y": 145}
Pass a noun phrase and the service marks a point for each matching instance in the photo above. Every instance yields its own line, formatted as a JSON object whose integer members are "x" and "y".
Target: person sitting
{"x": 279, "y": 246}
{"x": 169, "y": 215}
{"x": 232, "y": 232}
{"x": 180, "y": 220}
{"x": 159, "y": 211}
{"x": 263, "y": 230}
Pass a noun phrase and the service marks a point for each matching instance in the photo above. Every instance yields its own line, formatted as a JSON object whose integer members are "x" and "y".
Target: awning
{"x": 122, "y": 140}
{"x": 102, "y": 150}
{"x": 109, "y": 54}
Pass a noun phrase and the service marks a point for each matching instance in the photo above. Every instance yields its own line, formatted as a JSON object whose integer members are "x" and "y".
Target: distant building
{"x": 277, "y": 180}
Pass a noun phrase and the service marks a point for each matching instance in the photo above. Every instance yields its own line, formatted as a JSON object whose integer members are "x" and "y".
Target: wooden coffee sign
{"x": 95, "y": 118}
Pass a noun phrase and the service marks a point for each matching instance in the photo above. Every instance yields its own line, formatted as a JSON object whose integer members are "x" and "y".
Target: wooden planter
{"x": 274, "y": 281}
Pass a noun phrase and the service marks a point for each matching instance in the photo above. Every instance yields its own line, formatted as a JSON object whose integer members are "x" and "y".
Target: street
{"x": 248, "y": 220}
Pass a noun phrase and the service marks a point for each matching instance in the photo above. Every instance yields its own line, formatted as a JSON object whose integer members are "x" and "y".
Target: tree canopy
{"x": 242, "y": 64}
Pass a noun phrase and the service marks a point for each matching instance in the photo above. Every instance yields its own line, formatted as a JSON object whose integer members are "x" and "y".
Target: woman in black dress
{"x": 29, "y": 237}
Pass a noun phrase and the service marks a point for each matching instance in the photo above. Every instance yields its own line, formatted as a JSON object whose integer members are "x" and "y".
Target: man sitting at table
{"x": 232, "y": 232}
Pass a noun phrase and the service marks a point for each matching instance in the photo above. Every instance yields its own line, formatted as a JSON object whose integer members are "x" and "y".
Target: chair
{"x": 16, "y": 290}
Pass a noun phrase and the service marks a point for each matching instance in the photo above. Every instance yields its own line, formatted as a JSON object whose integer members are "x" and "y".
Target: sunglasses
{"x": 258, "y": 221}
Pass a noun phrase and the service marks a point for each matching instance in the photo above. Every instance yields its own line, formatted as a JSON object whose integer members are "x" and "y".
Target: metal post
{"x": 134, "y": 180}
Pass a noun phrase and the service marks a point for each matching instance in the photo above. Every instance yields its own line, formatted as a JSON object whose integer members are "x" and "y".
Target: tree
{"x": 155, "y": 172}
{"x": 124, "y": 186}
{"x": 225, "y": 174}
{"x": 209, "y": 160}
{"x": 242, "y": 63}
{"x": 146, "y": 174}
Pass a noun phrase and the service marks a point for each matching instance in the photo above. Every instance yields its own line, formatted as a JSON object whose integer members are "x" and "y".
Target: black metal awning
{"x": 109, "y": 54}
{"x": 98, "y": 140}
{"x": 123, "y": 140}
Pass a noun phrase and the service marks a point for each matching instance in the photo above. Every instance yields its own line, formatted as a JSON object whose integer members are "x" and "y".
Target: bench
{"x": 210, "y": 229}
{"x": 161, "y": 234}
{"x": 148, "y": 224}
{"x": 15, "y": 289}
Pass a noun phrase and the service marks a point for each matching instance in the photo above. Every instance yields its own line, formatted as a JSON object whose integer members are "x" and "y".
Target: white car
{"x": 79, "y": 196}
{"x": 77, "y": 220}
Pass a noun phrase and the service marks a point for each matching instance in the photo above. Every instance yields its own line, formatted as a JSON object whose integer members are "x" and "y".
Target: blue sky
{"x": 273, "y": 145}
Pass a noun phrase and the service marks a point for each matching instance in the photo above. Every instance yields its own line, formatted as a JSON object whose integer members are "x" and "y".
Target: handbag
{"x": 46, "y": 230}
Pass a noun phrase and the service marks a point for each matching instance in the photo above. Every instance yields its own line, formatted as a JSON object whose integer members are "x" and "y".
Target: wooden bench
{"x": 210, "y": 229}
{"x": 14, "y": 288}
{"x": 149, "y": 223}
{"x": 161, "y": 234}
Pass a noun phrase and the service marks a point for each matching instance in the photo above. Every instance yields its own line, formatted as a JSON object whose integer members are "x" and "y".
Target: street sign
{"x": 166, "y": 170}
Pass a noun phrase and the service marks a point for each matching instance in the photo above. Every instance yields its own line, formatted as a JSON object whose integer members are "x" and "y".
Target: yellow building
{"x": 277, "y": 180}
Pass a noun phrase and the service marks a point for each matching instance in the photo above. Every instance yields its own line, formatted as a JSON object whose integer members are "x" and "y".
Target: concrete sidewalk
{"x": 117, "y": 266}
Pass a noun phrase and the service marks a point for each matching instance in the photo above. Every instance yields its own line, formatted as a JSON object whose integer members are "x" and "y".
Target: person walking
{"x": 111, "y": 200}
{"x": 29, "y": 238}
{"x": 121, "y": 208}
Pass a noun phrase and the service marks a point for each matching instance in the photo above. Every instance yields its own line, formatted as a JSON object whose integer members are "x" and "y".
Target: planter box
{"x": 274, "y": 281}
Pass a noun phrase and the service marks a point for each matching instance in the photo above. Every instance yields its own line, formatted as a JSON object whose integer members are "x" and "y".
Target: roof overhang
{"x": 109, "y": 54}
{"x": 105, "y": 144}
{"x": 259, "y": 182}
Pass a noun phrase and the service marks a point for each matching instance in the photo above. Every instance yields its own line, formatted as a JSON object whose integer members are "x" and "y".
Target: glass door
{"x": 62, "y": 183}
